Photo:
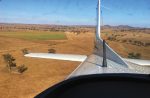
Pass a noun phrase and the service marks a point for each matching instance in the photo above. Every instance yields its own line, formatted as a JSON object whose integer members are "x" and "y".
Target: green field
{"x": 35, "y": 35}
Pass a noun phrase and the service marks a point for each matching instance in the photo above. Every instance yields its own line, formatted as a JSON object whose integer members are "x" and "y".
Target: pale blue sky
{"x": 75, "y": 12}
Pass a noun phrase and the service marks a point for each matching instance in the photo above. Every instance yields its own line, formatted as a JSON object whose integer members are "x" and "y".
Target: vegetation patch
{"x": 25, "y": 51}
{"x": 51, "y": 51}
{"x": 35, "y": 35}
{"x": 22, "y": 68}
{"x": 133, "y": 55}
{"x": 11, "y": 65}
{"x": 10, "y": 61}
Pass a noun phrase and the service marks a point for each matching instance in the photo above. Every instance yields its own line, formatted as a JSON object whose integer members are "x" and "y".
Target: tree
{"x": 10, "y": 61}
{"x": 134, "y": 55}
{"x": 25, "y": 51}
{"x": 51, "y": 51}
{"x": 137, "y": 55}
{"x": 22, "y": 68}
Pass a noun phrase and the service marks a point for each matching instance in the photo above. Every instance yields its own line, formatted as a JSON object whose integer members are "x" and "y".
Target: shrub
{"x": 52, "y": 43}
{"x": 124, "y": 41}
{"x": 22, "y": 68}
{"x": 130, "y": 55}
{"x": 138, "y": 55}
{"x": 25, "y": 51}
{"x": 51, "y": 51}
{"x": 134, "y": 55}
{"x": 111, "y": 38}
{"x": 130, "y": 41}
{"x": 9, "y": 60}
{"x": 147, "y": 44}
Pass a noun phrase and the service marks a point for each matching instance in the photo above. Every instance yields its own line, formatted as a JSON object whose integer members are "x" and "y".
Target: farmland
{"x": 35, "y": 35}
{"x": 43, "y": 73}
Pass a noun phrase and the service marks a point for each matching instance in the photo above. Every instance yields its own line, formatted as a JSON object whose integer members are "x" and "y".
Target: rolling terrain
{"x": 43, "y": 73}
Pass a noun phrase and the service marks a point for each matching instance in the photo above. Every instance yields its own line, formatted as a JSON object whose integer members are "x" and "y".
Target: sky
{"x": 75, "y": 12}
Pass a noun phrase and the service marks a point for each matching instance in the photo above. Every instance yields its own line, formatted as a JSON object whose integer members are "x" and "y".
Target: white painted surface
{"x": 139, "y": 61}
{"x": 92, "y": 65}
{"x": 69, "y": 57}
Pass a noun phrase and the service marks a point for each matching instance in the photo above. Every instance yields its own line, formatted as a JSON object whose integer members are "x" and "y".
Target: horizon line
{"x": 55, "y": 24}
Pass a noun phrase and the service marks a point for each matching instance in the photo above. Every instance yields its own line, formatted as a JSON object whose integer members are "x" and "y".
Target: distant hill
{"x": 122, "y": 27}
{"x": 50, "y": 27}
{"x": 45, "y": 27}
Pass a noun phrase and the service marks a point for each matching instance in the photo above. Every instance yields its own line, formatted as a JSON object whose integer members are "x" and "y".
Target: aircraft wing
{"x": 138, "y": 61}
{"x": 93, "y": 65}
{"x": 69, "y": 57}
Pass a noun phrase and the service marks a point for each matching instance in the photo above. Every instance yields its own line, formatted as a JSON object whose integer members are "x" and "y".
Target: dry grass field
{"x": 43, "y": 73}
{"x": 125, "y": 42}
